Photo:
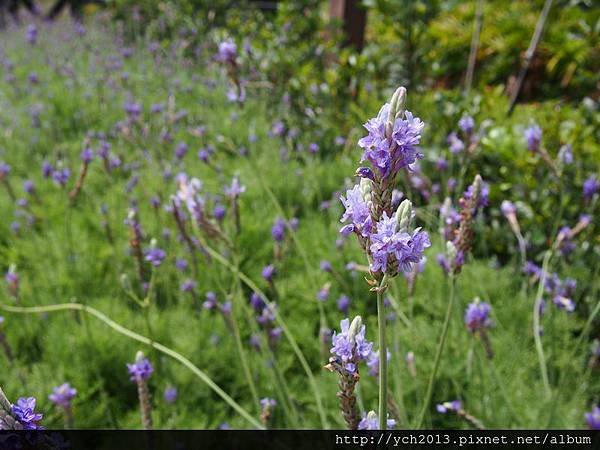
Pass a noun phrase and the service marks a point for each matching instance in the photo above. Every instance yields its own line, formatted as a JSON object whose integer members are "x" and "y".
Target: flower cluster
{"x": 561, "y": 291}
{"x": 593, "y": 418}
{"x": 477, "y": 316}
{"x": 387, "y": 236}
{"x": 455, "y": 405}
{"x": 20, "y": 416}
{"x": 265, "y": 317}
{"x": 371, "y": 422}
{"x": 350, "y": 345}
{"x": 460, "y": 239}
{"x": 62, "y": 395}
{"x": 141, "y": 369}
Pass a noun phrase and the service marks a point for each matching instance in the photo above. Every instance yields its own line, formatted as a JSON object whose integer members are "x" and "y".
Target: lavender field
{"x": 222, "y": 217}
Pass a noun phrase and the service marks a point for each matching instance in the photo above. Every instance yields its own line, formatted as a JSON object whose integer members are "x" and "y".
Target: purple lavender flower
{"x": 29, "y": 186}
{"x": 325, "y": 266}
{"x": 4, "y": 169}
{"x": 388, "y": 242}
{"x": 227, "y": 51}
{"x": 445, "y": 407}
{"x": 294, "y": 223}
{"x": 181, "y": 150}
{"x": 401, "y": 151}
{"x": 343, "y": 304}
{"x": 141, "y": 369}
{"x": 87, "y": 155}
{"x": 466, "y": 124}
{"x": 31, "y": 34}
{"x": 565, "y": 154}
{"x": 269, "y": 272}
{"x": 313, "y": 148}
{"x": 47, "y": 169}
{"x": 564, "y": 303}
{"x": 62, "y": 395}
{"x": 61, "y": 175}
{"x": 204, "y": 155}
{"x": 278, "y": 230}
{"x": 133, "y": 109}
{"x": 373, "y": 362}
{"x": 323, "y": 294}
{"x": 267, "y": 403}
{"x": 24, "y": 413}
{"x": 455, "y": 143}
{"x": 593, "y": 418}
{"x": 441, "y": 164}
{"x": 590, "y": 187}
{"x": 508, "y": 208}
{"x": 357, "y": 212}
{"x": 170, "y": 394}
{"x": 477, "y": 316}
{"x": 350, "y": 345}
{"x": 533, "y": 137}
{"x": 257, "y": 302}
{"x": 210, "y": 302}
{"x": 371, "y": 422}
{"x": 219, "y": 212}
{"x": 532, "y": 269}
{"x": 155, "y": 256}
{"x": 235, "y": 190}
{"x": 181, "y": 264}
{"x": 188, "y": 285}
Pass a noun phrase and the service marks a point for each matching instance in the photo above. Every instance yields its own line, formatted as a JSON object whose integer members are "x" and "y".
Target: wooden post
{"x": 354, "y": 19}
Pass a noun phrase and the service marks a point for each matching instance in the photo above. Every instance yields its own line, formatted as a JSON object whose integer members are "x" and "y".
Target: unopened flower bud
{"x": 397, "y": 104}
{"x": 366, "y": 189}
{"x": 404, "y": 215}
{"x": 354, "y": 328}
{"x": 451, "y": 251}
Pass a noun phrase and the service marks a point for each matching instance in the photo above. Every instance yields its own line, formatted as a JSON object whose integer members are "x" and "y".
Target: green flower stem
{"x": 299, "y": 247}
{"x": 144, "y": 340}
{"x": 286, "y": 331}
{"x": 244, "y": 360}
{"x": 438, "y": 353}
{"x": 537, "y": 329}
{"x": 383, "y": 365}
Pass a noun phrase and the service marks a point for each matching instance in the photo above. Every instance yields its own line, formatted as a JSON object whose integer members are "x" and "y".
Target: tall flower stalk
{"x": 391, "y": 243}
{"x": 457, "y": 249}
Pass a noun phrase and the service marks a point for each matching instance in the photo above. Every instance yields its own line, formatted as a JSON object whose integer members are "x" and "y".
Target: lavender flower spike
{"x": 371, "y": 422}
{"x": 349, "y": 347}
{"x": 593, "y": 418}
{"x": 140, "y": 371}
{"x": 62, "y": 395}
{"x": 20, "y": 416}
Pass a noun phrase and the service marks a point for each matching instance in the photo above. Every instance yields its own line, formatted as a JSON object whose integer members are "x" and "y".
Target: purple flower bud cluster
{"x": 170, "y": 394}
{"x": 592, "y": 419}
{"x": 382, "y": 226}
{"x": 140, "y": 370}
{"x": 591, "y": 186}
{"x": 63, "y": 395}
{"x": 155, "y": 256}
{"x": 445, "y": 407}
{"x": 351, "y": 346}
{"x": 561, "y": 291}
{"x": 390, "y": 152}
{"x": 265, "y": 317}
{"x": 24, "y": 413}
{"x": 477, "y": 316}
{"x": 227, "y": 52}
{"x": 371, "y": 422}
{"x": 533, "y": 137}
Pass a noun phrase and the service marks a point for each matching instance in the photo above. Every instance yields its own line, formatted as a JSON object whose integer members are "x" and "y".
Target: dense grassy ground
{"x": 66, "y": 255}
